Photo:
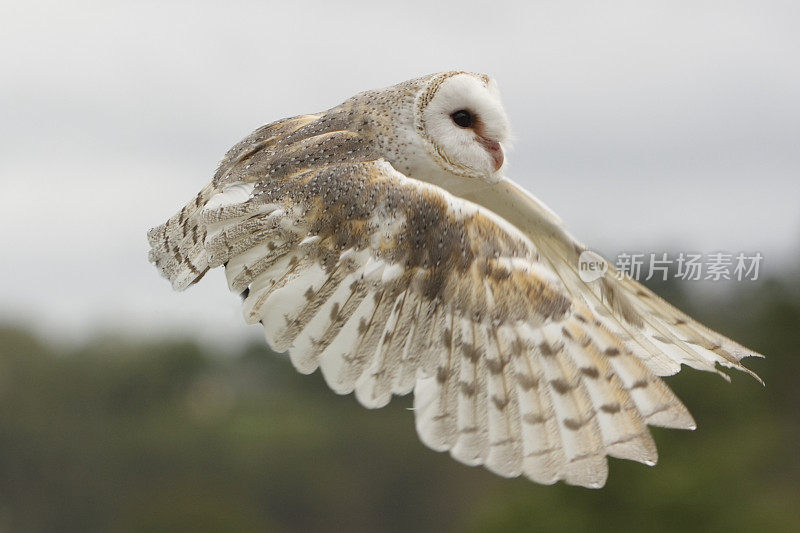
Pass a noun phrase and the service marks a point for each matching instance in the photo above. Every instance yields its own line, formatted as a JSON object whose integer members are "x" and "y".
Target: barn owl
{"x": 381, "y": 242}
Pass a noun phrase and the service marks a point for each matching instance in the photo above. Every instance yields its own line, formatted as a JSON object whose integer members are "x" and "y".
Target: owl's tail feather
{"x": 177, "y": 246}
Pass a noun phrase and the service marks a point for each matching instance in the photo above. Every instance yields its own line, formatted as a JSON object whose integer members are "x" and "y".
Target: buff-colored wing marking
{"x": 660, "y": 335}
{"x": 388, "y": 284}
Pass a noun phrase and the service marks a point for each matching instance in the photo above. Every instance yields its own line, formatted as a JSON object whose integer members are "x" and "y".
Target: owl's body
{"x": 380, "y": 242}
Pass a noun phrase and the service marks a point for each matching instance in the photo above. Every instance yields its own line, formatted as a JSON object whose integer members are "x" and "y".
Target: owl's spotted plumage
{"x": 380, "y": 242}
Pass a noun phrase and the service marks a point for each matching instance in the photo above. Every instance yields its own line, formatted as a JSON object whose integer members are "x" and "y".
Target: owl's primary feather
{"x": 367, "y": 249}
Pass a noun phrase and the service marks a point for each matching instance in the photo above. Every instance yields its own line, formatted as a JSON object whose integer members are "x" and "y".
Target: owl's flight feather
{"x": 389, "y": 284}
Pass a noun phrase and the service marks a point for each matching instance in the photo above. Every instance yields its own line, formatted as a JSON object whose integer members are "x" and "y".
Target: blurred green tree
{"x": 117, "y": 436}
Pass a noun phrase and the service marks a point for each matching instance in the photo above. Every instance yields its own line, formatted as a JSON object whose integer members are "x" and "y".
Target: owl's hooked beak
{"x": 495, "y": 150}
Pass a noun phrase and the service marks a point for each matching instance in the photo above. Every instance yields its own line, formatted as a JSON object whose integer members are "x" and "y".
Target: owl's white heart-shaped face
{"x": 463, "y": 121}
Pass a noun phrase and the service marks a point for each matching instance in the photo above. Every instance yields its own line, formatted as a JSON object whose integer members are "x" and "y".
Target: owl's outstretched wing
{"x": 388, "y": 284}
{"x": 661, "y": 335}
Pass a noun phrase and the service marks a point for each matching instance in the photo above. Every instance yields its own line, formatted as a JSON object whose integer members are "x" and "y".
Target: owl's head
{"x": 461, "y": 120}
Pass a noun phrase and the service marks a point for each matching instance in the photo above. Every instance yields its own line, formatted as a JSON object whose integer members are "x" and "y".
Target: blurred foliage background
{"x": 122, "y": 436}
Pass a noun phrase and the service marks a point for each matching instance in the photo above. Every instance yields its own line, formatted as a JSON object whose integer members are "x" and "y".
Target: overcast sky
{"x": 645, "y": 125}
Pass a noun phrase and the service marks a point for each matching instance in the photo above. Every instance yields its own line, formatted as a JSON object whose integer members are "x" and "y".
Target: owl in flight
{"x": 381, "y": 242}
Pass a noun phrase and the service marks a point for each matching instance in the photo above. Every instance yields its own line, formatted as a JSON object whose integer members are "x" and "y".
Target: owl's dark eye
{"x": 463, "y": 118}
